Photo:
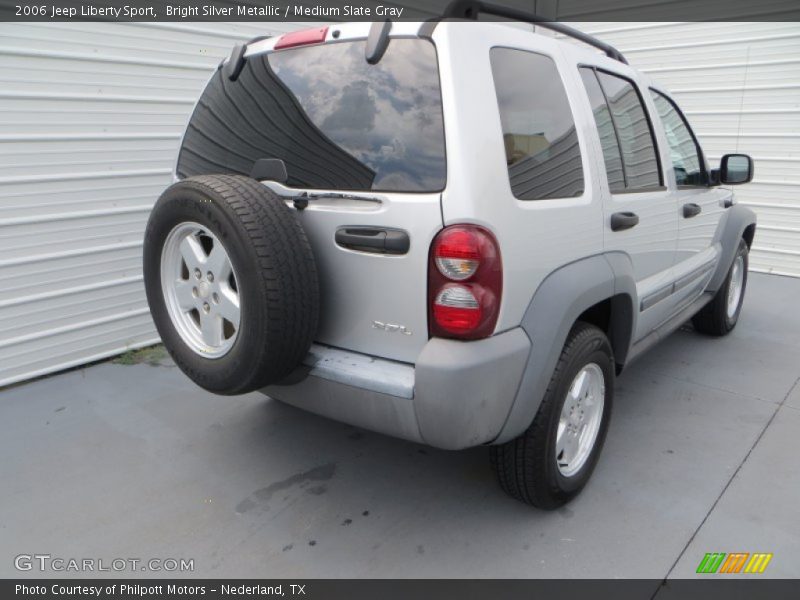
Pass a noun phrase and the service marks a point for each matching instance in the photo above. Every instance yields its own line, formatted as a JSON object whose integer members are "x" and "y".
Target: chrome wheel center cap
{"x": 203, "y": 289}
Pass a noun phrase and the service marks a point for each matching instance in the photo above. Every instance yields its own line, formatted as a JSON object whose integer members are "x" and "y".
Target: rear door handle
{"x": 373, "y": 239}
{"x": 624, "y": 220}
{"x": 691, "y": 210}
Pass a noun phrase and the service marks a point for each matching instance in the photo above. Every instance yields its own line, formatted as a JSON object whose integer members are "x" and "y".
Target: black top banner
{"x": 397, "y": 10}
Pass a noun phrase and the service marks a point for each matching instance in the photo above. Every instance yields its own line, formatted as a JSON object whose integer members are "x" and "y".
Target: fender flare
{"x": 557, "y": 303}
{"x": 731, "y": 229}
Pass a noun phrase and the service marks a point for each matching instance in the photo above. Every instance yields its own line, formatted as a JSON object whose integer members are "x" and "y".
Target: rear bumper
{"x": 458, "y": 394}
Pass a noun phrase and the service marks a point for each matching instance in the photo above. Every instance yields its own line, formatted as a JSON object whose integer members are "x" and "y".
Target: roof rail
{"x": 471, "y": 9}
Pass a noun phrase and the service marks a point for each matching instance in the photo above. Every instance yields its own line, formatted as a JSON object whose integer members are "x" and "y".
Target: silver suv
{"x": 454, "y": 233}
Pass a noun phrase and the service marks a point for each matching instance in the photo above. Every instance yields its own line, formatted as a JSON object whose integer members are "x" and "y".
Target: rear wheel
{"x": 551, "y": 462}
{"x": 231, "y": 282}
{"x": 720, "y": 316}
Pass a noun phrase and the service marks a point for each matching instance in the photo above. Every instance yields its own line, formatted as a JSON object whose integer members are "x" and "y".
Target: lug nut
{"x": 195, "y": 293}
{"x": 215, "y": 298}
{"x": 210, "y": 276}
{"x": 197, "y": 273}
{"x": 206, "y": 307}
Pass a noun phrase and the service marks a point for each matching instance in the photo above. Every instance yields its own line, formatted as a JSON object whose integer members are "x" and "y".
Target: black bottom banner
{"x": 392, "y": 589}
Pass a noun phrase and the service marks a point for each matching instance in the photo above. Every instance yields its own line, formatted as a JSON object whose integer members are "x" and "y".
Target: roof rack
{"x": 471, "y": 9}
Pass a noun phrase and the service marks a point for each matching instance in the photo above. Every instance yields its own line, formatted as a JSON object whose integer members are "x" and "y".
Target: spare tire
{"x": 231, "y": 282}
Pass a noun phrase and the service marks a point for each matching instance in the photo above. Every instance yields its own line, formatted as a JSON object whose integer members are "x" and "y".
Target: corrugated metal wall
{"x": 91, "y": 115}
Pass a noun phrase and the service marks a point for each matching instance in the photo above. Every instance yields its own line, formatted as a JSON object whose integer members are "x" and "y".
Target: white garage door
{"x": 91, "y": 116}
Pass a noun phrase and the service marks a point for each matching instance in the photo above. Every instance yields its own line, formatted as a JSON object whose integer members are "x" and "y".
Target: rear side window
{"x": 336, "y": 121}
{"x": 612, "y": 155}
{"x": 634, "y": 137}
{"x": 683, "y": 149}
{"x": 541, "y": 144}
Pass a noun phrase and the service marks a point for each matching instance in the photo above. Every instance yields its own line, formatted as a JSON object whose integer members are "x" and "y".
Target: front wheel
{"x": 720, "y": 316}
{"x": 551, "y": 462}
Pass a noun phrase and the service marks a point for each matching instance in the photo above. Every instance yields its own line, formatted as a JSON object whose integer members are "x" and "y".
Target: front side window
{"x": 683, "y": 151}
{"x": 336, "y": 121}
{"x": 541, "y": 144}
{"x": 623, "y": 107}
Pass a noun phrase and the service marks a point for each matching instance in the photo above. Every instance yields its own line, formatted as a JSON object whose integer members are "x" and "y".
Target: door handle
{"x": 691, "y": 210}
{"x": 373, "y": 239}
{"x": 623, "y": 220}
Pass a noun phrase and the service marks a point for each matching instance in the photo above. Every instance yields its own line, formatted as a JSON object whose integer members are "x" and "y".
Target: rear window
{"x": 336, "y": 121}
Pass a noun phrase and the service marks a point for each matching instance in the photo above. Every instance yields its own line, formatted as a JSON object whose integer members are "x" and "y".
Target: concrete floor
{"x": 136, "y": 462}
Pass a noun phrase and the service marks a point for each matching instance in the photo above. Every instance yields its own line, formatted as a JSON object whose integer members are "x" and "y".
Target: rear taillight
{"x": 301, "y": 38}
{"x": 465, "y": 282}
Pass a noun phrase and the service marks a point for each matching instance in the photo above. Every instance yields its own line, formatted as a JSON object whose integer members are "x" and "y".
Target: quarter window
{"x": 683, "y": 150}
{"x": 541, "y": 144}
{"x": 624, "y": 111}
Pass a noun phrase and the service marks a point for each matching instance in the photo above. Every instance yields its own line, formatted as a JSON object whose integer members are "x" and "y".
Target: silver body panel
{"x": 359, "y": 288}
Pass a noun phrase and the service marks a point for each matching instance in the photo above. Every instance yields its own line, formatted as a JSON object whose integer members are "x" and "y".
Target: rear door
{"x": 700, "y": 206}
{"x": 365, "y": 144}
{"x": 640, "y": 214}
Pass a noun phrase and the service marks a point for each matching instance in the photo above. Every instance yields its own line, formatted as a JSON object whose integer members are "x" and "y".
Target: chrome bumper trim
{"x": 361, "y": 371}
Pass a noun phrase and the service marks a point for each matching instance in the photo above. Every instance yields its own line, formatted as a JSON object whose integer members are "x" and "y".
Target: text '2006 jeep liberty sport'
{"x": 454, "y": 233}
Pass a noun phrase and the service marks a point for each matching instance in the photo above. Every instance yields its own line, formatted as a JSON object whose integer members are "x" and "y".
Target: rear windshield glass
{"x": 336, "y": 121}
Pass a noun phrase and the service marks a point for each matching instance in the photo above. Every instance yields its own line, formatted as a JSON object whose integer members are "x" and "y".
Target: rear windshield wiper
{"x": 301, "y": 201}
{"x": 274, "y": 169}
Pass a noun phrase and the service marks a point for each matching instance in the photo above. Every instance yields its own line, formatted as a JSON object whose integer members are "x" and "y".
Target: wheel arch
{"x": 739, "y": 223}
{"x": 600, "y": 289}
{"x": 614, "y": 316}
{"x": 748, "y": 234}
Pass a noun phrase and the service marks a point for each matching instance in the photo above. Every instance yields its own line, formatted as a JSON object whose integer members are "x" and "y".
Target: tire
{"x": 718, "y": 317}
{"x": 253, "y": 322}
{"x": 528, "y": 468}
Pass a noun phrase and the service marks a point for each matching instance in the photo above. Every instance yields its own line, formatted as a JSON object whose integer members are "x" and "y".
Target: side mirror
{"x": 735, "y": 169}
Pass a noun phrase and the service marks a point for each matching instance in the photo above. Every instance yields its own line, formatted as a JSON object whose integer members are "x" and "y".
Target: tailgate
{"x": 371, "y": 302}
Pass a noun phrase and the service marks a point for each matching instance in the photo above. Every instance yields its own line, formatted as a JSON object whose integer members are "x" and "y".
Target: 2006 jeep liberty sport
{"x": 456, "y": 233}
